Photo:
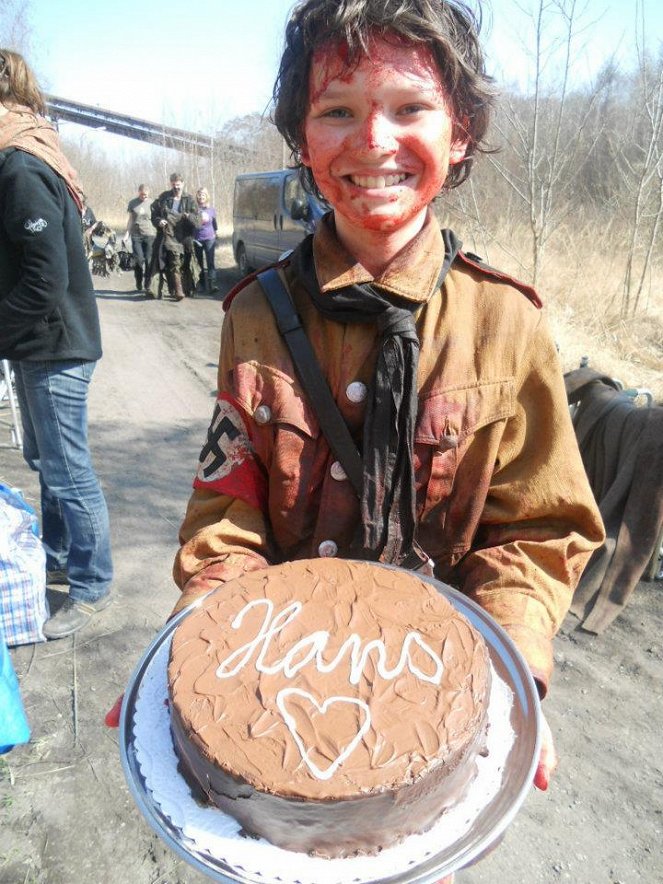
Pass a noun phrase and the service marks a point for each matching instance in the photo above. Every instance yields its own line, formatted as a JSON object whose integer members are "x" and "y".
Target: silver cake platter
{"x": 485, "y": 830}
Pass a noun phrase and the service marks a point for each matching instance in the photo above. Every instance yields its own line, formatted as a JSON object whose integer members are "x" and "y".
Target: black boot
{"x": 211, "y": 282}
{"x": 138, "y": 273}
{"x": 176, "y": 289}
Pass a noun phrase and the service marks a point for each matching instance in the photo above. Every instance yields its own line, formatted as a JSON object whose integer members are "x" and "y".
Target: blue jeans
{"x": 205, "y": 247}
{"x": 142, "y": 249}
{"x": 52, "y": 397}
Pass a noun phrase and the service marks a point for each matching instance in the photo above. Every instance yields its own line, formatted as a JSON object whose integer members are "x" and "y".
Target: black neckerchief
{"x": 388, "y": 504}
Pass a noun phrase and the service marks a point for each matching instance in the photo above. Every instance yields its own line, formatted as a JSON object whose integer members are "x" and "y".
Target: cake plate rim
{"x": 486, "y": 829}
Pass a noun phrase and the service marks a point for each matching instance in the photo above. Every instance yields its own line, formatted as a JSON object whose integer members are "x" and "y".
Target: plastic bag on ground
{"x": 23, "y": 605}
{"x": 14, "y": 727}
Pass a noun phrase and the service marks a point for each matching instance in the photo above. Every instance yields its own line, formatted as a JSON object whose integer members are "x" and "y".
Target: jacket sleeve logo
{"x": 35, "y": 226}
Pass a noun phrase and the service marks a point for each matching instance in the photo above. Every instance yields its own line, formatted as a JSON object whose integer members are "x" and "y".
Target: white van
{"x": 272, "y": 213}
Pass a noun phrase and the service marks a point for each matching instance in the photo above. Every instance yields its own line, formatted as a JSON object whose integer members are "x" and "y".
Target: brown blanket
{"x": 622, "y": 449}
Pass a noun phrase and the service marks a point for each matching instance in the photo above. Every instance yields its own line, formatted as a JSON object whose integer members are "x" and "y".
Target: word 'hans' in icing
{"x": 312, "y": 646}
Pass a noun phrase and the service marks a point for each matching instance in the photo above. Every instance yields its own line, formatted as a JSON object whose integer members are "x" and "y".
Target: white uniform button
{"x": 327, "y": 548}
{"x": 263, "y": 414}
{"x": 356, "y": 391}
{"x": 337, "y": 472}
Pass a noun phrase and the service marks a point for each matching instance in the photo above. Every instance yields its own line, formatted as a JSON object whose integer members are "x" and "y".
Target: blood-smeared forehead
{"x": 385, "y": 58}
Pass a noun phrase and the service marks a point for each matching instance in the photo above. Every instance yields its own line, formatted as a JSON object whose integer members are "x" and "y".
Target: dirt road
{"x": 66, "y": 815}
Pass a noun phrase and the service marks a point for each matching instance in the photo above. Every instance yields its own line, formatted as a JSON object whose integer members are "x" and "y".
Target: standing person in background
{"x": 205, "y": 242}
{"x": 49, "y": 329}
{"x": 175, "y": 215}
{"x": 88, "y": 218}
{"x": 141, "y": 233}
{"x": 89, "y": 223}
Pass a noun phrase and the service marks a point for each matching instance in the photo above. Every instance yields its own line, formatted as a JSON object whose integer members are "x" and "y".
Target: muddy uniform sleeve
{"x": 540, "y": 523}
{"x": 225, "y": 530}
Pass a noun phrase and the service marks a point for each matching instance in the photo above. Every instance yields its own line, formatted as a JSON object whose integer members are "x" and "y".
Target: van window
{"x": 244, "y": 199}
{"x": 293, "y": 191}
{"x": 267, "y": 198}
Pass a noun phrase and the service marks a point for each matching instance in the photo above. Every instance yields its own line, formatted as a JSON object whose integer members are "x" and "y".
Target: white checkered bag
{"x": 23, "y": 605}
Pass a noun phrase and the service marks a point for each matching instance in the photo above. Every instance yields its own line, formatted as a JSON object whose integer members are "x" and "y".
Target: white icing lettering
{"x": 312, "y": 646}
{"x": 264, "y": 635}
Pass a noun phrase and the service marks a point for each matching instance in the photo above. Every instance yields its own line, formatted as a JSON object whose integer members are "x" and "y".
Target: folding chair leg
{"x": 15, "y": 427}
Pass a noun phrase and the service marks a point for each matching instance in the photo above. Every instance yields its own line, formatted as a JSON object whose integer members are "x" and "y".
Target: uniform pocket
{"x": 447, "y": 424}
{"x": 286, "y": 438}
{"x": 274, "y": 399}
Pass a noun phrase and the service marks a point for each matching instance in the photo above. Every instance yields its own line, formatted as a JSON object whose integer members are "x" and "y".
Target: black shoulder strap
{"x": 310, "y": 374}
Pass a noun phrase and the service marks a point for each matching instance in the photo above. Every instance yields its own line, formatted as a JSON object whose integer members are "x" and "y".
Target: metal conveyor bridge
{"x": 133, "y": 127}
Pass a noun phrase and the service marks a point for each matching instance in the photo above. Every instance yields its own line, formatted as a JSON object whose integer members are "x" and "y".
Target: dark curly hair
{"x": 449, "y": 27}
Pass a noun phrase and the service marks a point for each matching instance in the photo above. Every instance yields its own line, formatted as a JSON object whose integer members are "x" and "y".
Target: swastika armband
{"x": 227, "y": 463}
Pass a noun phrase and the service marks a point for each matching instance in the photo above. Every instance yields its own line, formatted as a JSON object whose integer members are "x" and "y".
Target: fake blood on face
{"x": 379, "y": 137}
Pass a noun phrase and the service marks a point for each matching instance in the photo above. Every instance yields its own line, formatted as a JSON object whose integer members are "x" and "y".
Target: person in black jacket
{"x": 175, "y": 216}
{"x": 49, "y": 329}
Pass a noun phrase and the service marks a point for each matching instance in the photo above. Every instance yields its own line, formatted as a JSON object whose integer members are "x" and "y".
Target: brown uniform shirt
{"x": 503, "y": 504}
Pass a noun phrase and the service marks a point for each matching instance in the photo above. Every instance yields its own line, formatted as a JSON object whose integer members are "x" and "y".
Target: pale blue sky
{"x": 197, "y": 65}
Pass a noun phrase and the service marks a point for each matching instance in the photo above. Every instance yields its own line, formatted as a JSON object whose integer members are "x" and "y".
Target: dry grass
{"x": 580, "y": 285}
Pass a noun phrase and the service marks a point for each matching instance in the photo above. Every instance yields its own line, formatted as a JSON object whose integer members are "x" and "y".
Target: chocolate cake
{"x": 330, "y": 706}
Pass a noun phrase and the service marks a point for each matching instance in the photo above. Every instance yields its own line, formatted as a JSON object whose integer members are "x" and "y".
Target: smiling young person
{"x": 379, "y": 144}
{"x": 442, "y": 368}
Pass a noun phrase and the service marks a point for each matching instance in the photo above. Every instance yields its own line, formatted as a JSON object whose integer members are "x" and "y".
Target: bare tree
{"x": 546, "y": 132}
{"x": 15, "y": 27}
{"x": 643, "y": 171}
{"x": 259, "y": 138}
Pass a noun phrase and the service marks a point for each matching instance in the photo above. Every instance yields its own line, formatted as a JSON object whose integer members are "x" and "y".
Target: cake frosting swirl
{"x": 330, "y": 706}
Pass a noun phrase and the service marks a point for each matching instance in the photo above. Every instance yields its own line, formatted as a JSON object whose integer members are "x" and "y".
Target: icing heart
{"x": 281, "y": 700}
